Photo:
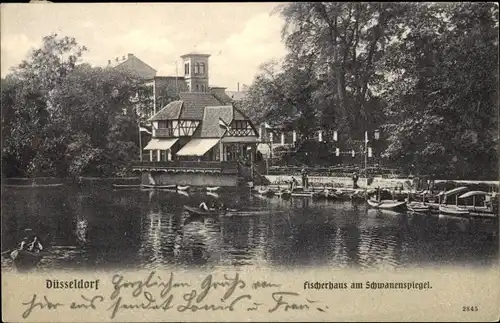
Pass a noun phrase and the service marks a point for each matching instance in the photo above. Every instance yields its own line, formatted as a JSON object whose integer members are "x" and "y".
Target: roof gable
{"x": 210, "y": 127}
{"x": 170, "y": 112}
{"x": 134, "y": 62}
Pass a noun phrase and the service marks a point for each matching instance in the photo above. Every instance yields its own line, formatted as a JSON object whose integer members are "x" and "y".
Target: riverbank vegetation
{"x": 60, "y": 118}
{"x": 425, "y": 74}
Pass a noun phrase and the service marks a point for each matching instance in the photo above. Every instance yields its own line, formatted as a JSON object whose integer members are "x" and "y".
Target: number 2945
{"x": 470, "y": 309}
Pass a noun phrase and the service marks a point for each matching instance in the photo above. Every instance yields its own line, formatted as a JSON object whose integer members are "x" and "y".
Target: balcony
{"x": 164, "y": 133}
{"x": 183, "y": 166}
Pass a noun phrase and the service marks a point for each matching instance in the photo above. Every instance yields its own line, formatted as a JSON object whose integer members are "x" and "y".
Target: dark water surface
{"x": 104, "y": 229}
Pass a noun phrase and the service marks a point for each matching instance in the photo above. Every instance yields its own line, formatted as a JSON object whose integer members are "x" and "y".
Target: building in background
{"x": 133, "y": 65}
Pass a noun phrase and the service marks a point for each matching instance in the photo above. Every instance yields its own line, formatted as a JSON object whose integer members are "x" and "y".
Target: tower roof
{"x": 195, "y": 54}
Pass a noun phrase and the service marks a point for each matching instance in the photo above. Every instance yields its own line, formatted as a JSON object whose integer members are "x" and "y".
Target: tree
{"x": 442, "y": 98}
{"x": 60, "y": 118}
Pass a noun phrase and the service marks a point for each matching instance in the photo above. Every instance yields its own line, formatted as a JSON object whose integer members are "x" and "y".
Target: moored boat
{"x": 453, "y": 210}
{"x": 168, "y": 187}
{"x": 479, "y": 210}
{"x": 265, "y": 192}
{"x": 284, "y": 194}
{"x": 213, "y": 189}
{"x": 182, "y": 188}
{"x": 117, "y": 186}
{"x": 213, "y": 194}
{"x": 387, "y": 204}
{"x": 418, "y": 207}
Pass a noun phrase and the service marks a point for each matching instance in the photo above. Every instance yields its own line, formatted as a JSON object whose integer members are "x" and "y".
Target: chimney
{"x": 117, "y": 59}
{"x": 109, "y": 62}
{"x": 123, "y": 57}
{"x": 130, "y": 55}
{"x": 238, "y": 86}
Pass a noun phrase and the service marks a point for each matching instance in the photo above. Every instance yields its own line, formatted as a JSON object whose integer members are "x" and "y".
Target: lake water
{"x": 100, "y": 228}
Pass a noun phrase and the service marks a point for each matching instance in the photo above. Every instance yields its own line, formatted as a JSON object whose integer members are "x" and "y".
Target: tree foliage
{"x": 424, "y": 73}
{"x": 60, "y": 118}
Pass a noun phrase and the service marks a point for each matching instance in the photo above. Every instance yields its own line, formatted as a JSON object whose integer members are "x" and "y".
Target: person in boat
{"x": 31, "y": 242}
{"x": 203, "y": 206}
{"x": 218, "y": 206}
{"x": 293, "y": 183}
{"x": 304, "y": 177}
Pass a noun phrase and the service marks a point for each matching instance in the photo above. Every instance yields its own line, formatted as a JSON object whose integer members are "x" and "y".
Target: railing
{"x": 164, "y": 132}
{"x": 225, "y": 167}
{"x": 344, "y": 171}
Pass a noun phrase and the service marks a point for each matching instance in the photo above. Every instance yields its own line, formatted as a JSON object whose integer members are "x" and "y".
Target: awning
{"x": 160, "y": 144}
{"x": 197, "y": 147}
{"x": 472, "y": 193}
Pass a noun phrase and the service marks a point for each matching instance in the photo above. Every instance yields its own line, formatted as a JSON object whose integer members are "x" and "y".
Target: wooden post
{"x": 140, "y": 140}
{"x": 221, "y": 152}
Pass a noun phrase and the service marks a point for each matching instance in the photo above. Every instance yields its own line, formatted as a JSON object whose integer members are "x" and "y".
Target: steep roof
{"x": 194, "y": 103}
{"x": 238, "y": 115}
{"x": 210, "y": 127}
{"x": 222, "y": 97}
{"x": 169, "y": 112}
{"x": 190, "y": 107}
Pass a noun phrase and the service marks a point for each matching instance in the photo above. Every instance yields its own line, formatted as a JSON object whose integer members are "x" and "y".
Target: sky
{"x": 238, "y": 36}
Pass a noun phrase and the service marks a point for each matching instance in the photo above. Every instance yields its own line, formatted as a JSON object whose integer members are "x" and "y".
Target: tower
{"x": 196, "y": 71}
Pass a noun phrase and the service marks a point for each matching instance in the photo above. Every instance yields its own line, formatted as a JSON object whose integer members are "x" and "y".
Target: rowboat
{"x": 198, "y": 211}
{"x": 305, "y": 194}
{"x": 126, "y": 186}
{"x": 453, "y": 210}
{"x": 202, "y": 212}
{"x": 182, "y": 188}
{"x": 33, "y": 185}
{"x": 265, "y": 192}
{"x": 213, "y": 194}
{"x": 284, "y": 194}
{"x": 25, "y": 260}
{"x": 418, "y": 207}
{"x": 386, "y": 204}
{"x": 160, "y": 186}
{"x": 327, "y": 194}
{"x": 213, "y": 189}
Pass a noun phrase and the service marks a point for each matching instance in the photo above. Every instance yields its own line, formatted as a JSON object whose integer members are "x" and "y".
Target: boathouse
{"x": 200, "y": 140}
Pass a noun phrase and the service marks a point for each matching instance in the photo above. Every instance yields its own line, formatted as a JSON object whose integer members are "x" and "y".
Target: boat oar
{"x": 8, "y": 251}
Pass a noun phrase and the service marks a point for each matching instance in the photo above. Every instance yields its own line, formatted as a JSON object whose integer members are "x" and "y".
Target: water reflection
{"x": 150, "y": 229}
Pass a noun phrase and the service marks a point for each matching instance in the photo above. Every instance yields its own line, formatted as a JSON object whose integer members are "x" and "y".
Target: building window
{"x": 197, "y": 68}
{"x": 186, "y": 68}
{"x": 164, "y": 124}
{"x": 202, "y": 68}
{"x": 197, "y": 88}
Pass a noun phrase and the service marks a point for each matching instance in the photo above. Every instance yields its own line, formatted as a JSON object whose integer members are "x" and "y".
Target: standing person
{"x": 303, "y": 174}
{"x": 305, "y": 183}
{"x": 355, "y": 178}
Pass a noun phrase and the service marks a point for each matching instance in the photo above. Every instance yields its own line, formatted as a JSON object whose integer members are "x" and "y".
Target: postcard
{"x": 234, "y": 162}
